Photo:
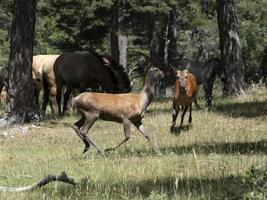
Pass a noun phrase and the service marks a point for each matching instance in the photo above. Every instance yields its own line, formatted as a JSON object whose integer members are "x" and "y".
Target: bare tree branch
{"x": 63, "y": 177}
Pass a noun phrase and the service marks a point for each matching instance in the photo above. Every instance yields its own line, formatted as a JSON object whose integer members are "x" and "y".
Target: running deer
{"x": 185, "y": 90}
{"x": 124, "y": 108}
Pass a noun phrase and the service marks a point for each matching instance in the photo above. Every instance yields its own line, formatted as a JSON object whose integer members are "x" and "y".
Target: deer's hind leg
{"x": 90, "y": 119}
{"x": 76, "y": 127}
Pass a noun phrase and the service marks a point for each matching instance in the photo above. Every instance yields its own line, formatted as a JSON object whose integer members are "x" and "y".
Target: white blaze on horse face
{"x": 106, "y": 61}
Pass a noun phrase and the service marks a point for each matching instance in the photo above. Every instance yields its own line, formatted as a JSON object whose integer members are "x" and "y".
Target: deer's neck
{"x": 147, "y": 93}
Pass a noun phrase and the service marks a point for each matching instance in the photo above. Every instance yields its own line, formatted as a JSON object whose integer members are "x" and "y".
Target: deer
{"x": 185, "y": 91}
{"x": 125, "y": 108}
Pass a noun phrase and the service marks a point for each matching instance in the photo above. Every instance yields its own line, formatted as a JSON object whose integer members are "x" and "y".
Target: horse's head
{"x": 119, "y": 73}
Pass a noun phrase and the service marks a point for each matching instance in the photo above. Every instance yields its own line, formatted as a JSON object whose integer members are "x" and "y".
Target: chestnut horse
{"x": 82, "y": 70}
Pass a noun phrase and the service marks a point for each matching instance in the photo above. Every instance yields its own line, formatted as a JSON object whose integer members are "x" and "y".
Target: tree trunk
{"x": 167, "y": 52}
{"x": 118, "y": 42}
{"x": 263, "y": 68}
{"x": 23, "y": 107}
{"x": 172, "y": 37}
{"x": 205, "y": 7}
{"x": 152, "y": 39}
{"x": 230, "y": 48}
{"x": 163, "y": 42}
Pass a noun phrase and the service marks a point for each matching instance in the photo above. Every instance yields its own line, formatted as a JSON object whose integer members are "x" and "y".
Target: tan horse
{"x": 44, "y": 78}
{"x": 3, "y": 95}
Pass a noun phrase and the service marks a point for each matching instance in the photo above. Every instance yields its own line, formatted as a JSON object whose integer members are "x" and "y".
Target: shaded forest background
{"x": 73, "y": 25}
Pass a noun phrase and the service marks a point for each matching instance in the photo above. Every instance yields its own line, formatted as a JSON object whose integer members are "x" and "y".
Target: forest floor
{"x": 207, "y": 160}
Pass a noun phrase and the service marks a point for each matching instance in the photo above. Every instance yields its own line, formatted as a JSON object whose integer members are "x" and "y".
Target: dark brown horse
{"x": 205, "y": 74}
{"x": 82, "y": 70}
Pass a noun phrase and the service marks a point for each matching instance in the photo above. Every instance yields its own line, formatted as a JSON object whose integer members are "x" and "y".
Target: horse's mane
{"x": 216, "y": 59}
{"x": 118, "y": 72}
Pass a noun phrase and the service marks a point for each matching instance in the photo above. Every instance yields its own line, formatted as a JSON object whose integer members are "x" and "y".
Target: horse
{"x": 82, "y": 70}
{"x": 205, "y": 74}
{"x": 4, "y": 83}
{"x": 44, "y": 79}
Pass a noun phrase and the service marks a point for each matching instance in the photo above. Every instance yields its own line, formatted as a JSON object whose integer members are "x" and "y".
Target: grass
{"x": 206, "y": 161}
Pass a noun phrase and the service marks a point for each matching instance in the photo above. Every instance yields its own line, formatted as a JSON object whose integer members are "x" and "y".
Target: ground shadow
{"x": 178, "y": 130}
{"x": 245, "y": 109}
{"x": 227, "y": 187}
{"x": 221, "y": 148}
{"x": 244, "y": 148}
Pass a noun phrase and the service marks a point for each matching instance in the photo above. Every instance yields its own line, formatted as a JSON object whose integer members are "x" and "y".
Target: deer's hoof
{"x": 86, "y": 149}
{"x": 100, "y": 152}
{"x": 158, "y": 153}
{"x": 110, "y": 149}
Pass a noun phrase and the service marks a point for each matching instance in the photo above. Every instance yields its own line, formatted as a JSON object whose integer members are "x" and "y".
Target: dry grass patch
{"x": 227, "y": 142}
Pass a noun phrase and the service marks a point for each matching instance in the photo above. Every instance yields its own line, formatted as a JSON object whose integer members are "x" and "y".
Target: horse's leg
{"x": 138, "y": 124}
{"x": 183, "y": 114}
{"x": 175, "y": 112}
{"x": 45, "y": 96}
{"x": 208, "y": 94}
{"x": 58, "y": 97}
{"x": 1, "y": 89}
{"x": 36, "y": 94}
{"x": 52, "y": 91}
{"x": 126, "y": 127}
{"x": 196, "y": 102}
{"x": 66, "y": 99}
{"x": 52, "y": 98}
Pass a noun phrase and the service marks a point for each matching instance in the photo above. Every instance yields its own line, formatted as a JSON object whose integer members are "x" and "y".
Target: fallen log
{"x": 63, "y": 177}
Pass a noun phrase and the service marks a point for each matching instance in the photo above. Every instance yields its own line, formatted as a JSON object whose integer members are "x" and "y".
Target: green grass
{"x": 227, "y": 142}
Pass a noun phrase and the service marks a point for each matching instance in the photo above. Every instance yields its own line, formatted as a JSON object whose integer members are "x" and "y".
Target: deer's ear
{"x": 178, "y": 73}
{"x": 173, "y": 68}
{"x": 148, "y": 65}
{"x": 185, "y": 73}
